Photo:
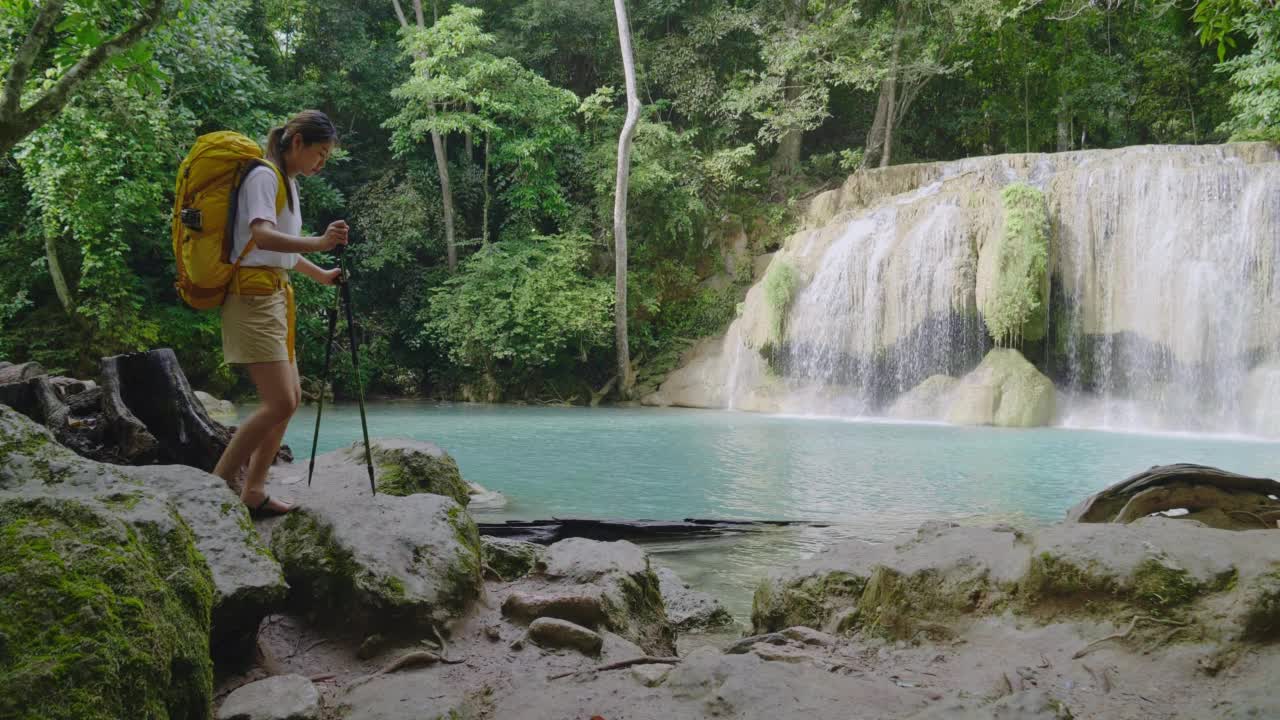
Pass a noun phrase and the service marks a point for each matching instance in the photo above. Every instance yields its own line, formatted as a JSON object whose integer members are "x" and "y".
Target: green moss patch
{"x": 101, "y": 620}
{"x": 403, "y": 471}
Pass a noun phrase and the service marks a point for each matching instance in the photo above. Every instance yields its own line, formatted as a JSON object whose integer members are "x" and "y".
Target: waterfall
{"x": 1164, "y": 266}
{"x": 1170, "y": 269}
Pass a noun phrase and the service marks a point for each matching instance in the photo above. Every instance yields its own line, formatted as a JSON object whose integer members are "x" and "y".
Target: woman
{"x": 257, "y": 317}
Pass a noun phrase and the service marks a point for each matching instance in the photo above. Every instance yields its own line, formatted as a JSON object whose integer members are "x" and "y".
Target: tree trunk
{"x": 1064, "y": 131}
{"x": 484, "y": 218}
{"x": 157, "y": 416}
{"x": 891, "y": 104}
{"x": 626, "y": 377}
{"x": 875, "y": 136}
{"x": 446, "y": 196}
{"x": 437, "y": 144}
{"x": 468, "y": 150}
{"x": 787, "y": 161}
{"x": 55, "y": 274}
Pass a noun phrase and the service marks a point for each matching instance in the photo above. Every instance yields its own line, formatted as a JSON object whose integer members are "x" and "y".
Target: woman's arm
{"x": 315, "y": 272}
{"x": 264, "y": 234}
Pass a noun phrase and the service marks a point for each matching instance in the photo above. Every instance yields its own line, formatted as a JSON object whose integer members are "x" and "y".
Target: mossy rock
{"x": 1013, "y": 285}
{"x": 247, "y": 583}
{"x": 629, "y": 590}
{"x": 405, "y": 467}
{"x": 895, "y": 590}
{"x": 511, "y": 558}
{"x": 101, "y": 619}
{"x": 1005, "y": 391}
{"x": 387, "y": 562}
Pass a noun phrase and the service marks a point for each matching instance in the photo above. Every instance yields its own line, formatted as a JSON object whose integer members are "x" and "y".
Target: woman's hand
{"x": 329, "y": 277}
{"x": 334, "y": 235}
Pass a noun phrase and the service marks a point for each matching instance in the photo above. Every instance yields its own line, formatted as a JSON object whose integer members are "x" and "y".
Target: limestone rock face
{"x": 246, "y": 580}
{"x": 927, "y": 401}
{"x": 110, "y": 577}
{"x": 1005, "y": 391}
{"x": 945, "y": 574}
{"x": 403, "y": 563}
{"x": 1164, "y": 301}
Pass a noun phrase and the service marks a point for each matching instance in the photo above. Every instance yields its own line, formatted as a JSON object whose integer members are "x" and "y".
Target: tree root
{"x": 643, "y": 660}
{"x": 1255, "y": 516}
{"x": 486, "y": 567}
{"x": 1124, "y": 634}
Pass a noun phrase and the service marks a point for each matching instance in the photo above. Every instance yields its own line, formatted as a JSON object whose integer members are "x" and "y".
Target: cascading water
{"x": 886, "y": 308}
{"x": 1170, "y": 271}
{"x": 1165, "y": 309}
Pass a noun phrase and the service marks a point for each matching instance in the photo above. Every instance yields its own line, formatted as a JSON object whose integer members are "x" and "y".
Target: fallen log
{"x": 1184, "y": 486}
{"x": 144, "y": 412}
{"x": 546, "y": 532}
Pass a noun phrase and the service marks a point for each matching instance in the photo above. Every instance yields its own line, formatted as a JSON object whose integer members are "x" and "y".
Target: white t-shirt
{"x": 257, "y": 201}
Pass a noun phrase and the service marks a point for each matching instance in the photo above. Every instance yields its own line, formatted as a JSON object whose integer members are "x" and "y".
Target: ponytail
{"x": 313, "y": 125}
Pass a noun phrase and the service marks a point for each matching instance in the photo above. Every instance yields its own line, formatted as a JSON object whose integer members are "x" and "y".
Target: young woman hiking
{"x": 258, "y": 315}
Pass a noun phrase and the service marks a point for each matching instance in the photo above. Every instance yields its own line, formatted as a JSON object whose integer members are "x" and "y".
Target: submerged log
{"x": 546, "y": 532}
{"x": 1184, "y": 486}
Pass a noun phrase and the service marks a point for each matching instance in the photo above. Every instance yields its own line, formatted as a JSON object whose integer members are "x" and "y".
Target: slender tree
{"x": 626, "y": 379}
{"x": 437, "y": 143}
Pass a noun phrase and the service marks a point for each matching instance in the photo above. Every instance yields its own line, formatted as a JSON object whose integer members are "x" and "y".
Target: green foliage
{"x": 1256, "y": 74}
{"x": 1015, "y": 309}
{"x": 522, "y": 306}
{"x": 780, "y": 286}
{"x": 721, "y": 85}
{"x": 101, "y": 619}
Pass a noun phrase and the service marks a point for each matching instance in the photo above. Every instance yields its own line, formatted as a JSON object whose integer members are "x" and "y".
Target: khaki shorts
{"x": 255, "y": 328}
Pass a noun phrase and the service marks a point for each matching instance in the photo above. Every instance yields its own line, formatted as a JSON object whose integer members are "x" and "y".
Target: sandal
{"x": 263, "y": 511}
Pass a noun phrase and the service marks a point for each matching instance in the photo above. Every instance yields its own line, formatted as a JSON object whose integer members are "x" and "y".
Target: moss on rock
{"x": 807, "y": 601}
{"x": 780, "y": 286}
{"x": 101, "y": 619}
{"x": 1014, "y": 289}
{"x": 511, "y": 558}
{"x": 405, "y": 468}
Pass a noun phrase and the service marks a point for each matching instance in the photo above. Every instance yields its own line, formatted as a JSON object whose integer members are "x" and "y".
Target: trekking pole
{"x": 324, "y": 380}
{"x": 345, "y": 289}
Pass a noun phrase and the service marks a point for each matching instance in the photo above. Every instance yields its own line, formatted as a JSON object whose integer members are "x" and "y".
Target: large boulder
{"x": 1161, "y": 565}
{"x": 224, "y": 411}
{"x": 404, "y": 467}
{"x": 896, "y": 589}
{"x": 404, "y": 563}
{"x": 946, "y": 575}
{"x": 607, "y": 585}
{"x": 926, "y": 401}
{"x": 102, "y": 617}
{"x": 689, "y": 609}
{"x": 510, "y": 558}
{"x": 247, "y": 582}
{"x": 1005, "y": 391}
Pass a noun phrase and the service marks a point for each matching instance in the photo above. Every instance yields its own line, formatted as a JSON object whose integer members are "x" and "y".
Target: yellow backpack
{"x": 204, "y": 212}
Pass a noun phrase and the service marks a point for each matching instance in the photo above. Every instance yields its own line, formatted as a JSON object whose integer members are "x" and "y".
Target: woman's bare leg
{"x": 265, "y": 454}
{"x": 277, "y": 384}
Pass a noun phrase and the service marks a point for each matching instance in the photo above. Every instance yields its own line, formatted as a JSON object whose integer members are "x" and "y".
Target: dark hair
{"x": 314, "y": 127}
